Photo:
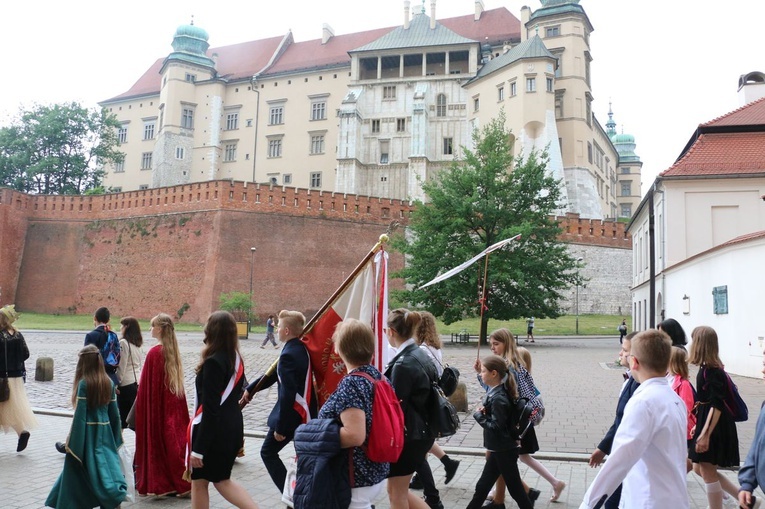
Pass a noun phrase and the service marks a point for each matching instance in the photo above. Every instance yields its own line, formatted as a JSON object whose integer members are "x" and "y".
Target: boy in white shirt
{"x": 649, "y": 450}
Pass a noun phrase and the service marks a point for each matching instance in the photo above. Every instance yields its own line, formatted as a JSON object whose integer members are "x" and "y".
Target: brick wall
{"x": 13, "y": 227}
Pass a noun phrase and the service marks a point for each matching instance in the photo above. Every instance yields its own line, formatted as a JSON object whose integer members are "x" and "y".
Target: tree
{"x": 484, "y": 198}
{"x": 58, "y": 149}
{"x": 238, "y": 304}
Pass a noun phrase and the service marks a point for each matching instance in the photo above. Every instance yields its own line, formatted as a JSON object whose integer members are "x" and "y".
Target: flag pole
{"x": 382, "y": 240}
{"x": 482, "y": 301}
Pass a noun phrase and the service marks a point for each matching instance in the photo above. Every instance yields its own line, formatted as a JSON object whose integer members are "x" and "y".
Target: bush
{"x": 238, "y": 304}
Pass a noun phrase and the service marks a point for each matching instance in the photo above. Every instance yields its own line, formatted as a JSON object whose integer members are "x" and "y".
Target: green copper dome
{"x": 550, "y": 3}
{"x": 190, "y": 45}
{"x": 623, "y": 139}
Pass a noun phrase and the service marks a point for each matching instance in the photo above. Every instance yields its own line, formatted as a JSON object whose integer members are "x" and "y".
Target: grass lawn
{"x": 593, "y": 325}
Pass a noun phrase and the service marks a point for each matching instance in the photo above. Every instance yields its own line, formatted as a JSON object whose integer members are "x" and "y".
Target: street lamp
{"x": 577, "y": 299}
{"x": 252, "y": 265}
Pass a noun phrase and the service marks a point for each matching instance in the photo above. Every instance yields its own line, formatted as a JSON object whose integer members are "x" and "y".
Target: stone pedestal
{"x": 459, "y": 398}
{"x": 44, "y": 369}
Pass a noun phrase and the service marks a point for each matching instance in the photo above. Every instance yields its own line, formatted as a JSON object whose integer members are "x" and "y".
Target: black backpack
{"x": 520, "y": 417}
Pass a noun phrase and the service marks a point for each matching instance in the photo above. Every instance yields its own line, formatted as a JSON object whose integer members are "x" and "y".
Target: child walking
{"x": 715, "y": 441}
{"x": 678, "y": 371}
{"x": 501, "y": 443}
{"x": 92, "y": 475}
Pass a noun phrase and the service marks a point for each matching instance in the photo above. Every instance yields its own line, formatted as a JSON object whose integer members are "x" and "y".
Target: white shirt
{"x": 131, "y": 359}
{"x": 648, "y": 453}
{"x": 435, "y": 355}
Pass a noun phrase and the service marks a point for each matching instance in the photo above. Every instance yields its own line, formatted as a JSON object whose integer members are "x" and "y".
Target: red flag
{"x": 361, "y": 296}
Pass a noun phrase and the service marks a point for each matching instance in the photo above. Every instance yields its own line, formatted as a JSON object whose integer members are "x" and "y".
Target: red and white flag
{"x": 364, "y": 296}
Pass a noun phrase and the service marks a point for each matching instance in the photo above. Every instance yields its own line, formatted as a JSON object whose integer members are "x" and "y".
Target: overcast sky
{"x": 666, "y": 65}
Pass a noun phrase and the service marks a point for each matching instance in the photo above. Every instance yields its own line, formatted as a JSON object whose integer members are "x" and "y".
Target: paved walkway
{"x": 576, "y": 376}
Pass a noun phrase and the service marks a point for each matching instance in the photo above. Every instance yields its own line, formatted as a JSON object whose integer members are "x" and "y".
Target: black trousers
{"x": 425, "y": 474}
{"x": 269, "y": 453}
{"x": 503, "y": 463}
{"x": 125, "y": 400}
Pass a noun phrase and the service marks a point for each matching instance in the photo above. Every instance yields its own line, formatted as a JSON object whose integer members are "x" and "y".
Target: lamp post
{"x": 252, "y": 265}
{"x": 576, "y": 301}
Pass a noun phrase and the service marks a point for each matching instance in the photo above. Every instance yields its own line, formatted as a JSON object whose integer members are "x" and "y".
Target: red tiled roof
{"x": 722, "y": 154}
{"x": 749, "y": 114}
{"x": 245, "y": 59}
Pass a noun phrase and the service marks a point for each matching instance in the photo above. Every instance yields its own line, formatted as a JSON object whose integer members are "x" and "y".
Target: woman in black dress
{"x": 715, "y": 440}
{"x": 217, "y": 429}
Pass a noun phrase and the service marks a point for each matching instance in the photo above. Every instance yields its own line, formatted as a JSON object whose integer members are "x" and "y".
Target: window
{"x": 720, "y": 299}
{"x": 513, "y": 89}
{"x": 187, "y": 118}
{"x": 180, "y": 152}
{"x": 500, "y": 93}
{"x": 119, "y": 167}
{"x": 287, "y": 178}
{"x": 191, "y": 78}
{"x": 441, "y": 105}
{"x": 589, "y": 152}
{"x": 375, "y": 126}
{"x": 625, "y": 169}
{"x": 588, "y": 113}
{"x": 626, "y": 188}
{"x": 384, "y": 148}
{"x": 389, "y": 92}
{"x": 400, "y": 125}
{"x": 552, "y": 31}
{"x": 476, "y": 103}
{"x": 229, "y": 153}
{"x": 232, "y": 121}
{"x": 319, "y": 110}
{"x": 143, "y": 187}
{"x": 549, "y": 84}
{"x": 531, "y": 84}
{"x": 317, "y": 144}
{"x": 116, "y": 189}
{"x": 315, "y": 179}
{"x": 626, "y": 210}
{"x": 448, "y": 146}
{"x": 249, "y": 122}
{"x": 148, "y": 130}
{"x": 558, "y": 54}
{"x": 122, "y": 135}
{"x": 276, "y": 115}
{"x": 146, "y": 161}
{"x": 275, "y": 148}
{"x": 559, "y": 104}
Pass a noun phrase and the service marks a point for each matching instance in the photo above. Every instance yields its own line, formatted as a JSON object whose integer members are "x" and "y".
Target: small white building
{"x": 699, "y": 237}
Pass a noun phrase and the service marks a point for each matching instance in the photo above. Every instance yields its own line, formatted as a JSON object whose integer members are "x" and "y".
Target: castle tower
{"x": 629, "y": 169}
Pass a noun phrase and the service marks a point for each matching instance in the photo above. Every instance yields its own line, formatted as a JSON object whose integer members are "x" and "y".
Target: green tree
{"x": 483, "y": 198}
{"x": 238, "y": 304}
{"x": 58, "y": 149}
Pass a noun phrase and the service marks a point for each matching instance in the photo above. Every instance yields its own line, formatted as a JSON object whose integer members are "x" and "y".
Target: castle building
{"x": 377, "y": 112}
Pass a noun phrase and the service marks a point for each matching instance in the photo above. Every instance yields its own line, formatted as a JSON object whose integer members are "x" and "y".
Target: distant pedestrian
{"x": 129, "y": 370}
{"x": 92, "y": 474}
{"x": 269, "y": 333}
{"x": 217, "y": 431}
{"x": 530, "y": 329}
{"x": 622, "y": 331}
{"x": 15, "y": 413}
{"x": 161, "y": 416}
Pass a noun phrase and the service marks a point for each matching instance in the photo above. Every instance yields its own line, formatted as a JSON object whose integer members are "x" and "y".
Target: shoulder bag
{"x": 5, "y": 389}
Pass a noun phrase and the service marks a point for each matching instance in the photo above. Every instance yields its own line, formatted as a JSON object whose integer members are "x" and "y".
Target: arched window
{"x": 441, "y": 105}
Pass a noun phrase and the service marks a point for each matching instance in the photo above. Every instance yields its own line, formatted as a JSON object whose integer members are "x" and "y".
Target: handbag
{"x": 126, "y": 464}
{"x": 289, "y": 482}
{"x": 444, "y": 421}
{"x": 5, "y": 389}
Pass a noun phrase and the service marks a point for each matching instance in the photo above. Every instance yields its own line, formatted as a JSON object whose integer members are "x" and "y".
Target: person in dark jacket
{"x": 604, "y": 447}
{"x": 322, "y": 480}
{"x": 15, "y": 413}
{"x": 502, "y": 444}
{"x": 412, "y": 374}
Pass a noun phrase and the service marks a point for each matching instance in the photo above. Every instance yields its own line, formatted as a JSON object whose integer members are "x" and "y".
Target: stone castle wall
{"x": 144, "y": 252}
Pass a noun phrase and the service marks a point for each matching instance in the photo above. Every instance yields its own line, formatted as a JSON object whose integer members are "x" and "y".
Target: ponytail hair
{"x": 498, "y": 364}
{"x": 404, "y": 322}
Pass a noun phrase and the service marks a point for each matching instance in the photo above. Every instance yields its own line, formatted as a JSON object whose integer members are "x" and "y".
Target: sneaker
{"x": 451, "y": 469}
{"x": 61, "y": 447}
{"x": 415, "y": 483}
{"x": 262, "y": 346}
{"x": 492, "y": 505}
{"x": 23, "y": 440}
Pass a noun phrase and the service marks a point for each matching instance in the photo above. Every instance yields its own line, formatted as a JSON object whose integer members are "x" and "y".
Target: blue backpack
{"x": 111, "y": 349}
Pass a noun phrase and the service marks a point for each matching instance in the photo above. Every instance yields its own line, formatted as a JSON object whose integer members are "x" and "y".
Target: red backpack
{"x": 386, "y": 435}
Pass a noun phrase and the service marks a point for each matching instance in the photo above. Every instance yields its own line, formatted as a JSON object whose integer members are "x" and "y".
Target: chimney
{"x": 525, "y": 17}
{"x": 326, "y": 33}
{"x": 479, "y": 8}
{"x": 751, "y": 87}
{"x": 407, "y": 3}
{"x": 432, "y": 14}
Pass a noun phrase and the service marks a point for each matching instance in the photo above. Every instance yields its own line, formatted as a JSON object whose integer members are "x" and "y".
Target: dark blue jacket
{"x": 322, "y": 467}
{"x": 629, "y": 389}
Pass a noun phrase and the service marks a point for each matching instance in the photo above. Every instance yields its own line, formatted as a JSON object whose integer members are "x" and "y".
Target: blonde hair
{"x": 293, "y": 320}
{"x": 426, "y": 331}
{"x": 525, "y": 357}
{"x": 171, "y": 352}
{"x": 496, "y": 363}
{"x": 512, "y": 356}
{"x": 8, "y": 315}
{"x": 652, "y": 349}
{"x": 98, "y": 386}
{"x": 678, "y": 362}
{"x": 355, "y": 341}
{"x": 705, "y": 349}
